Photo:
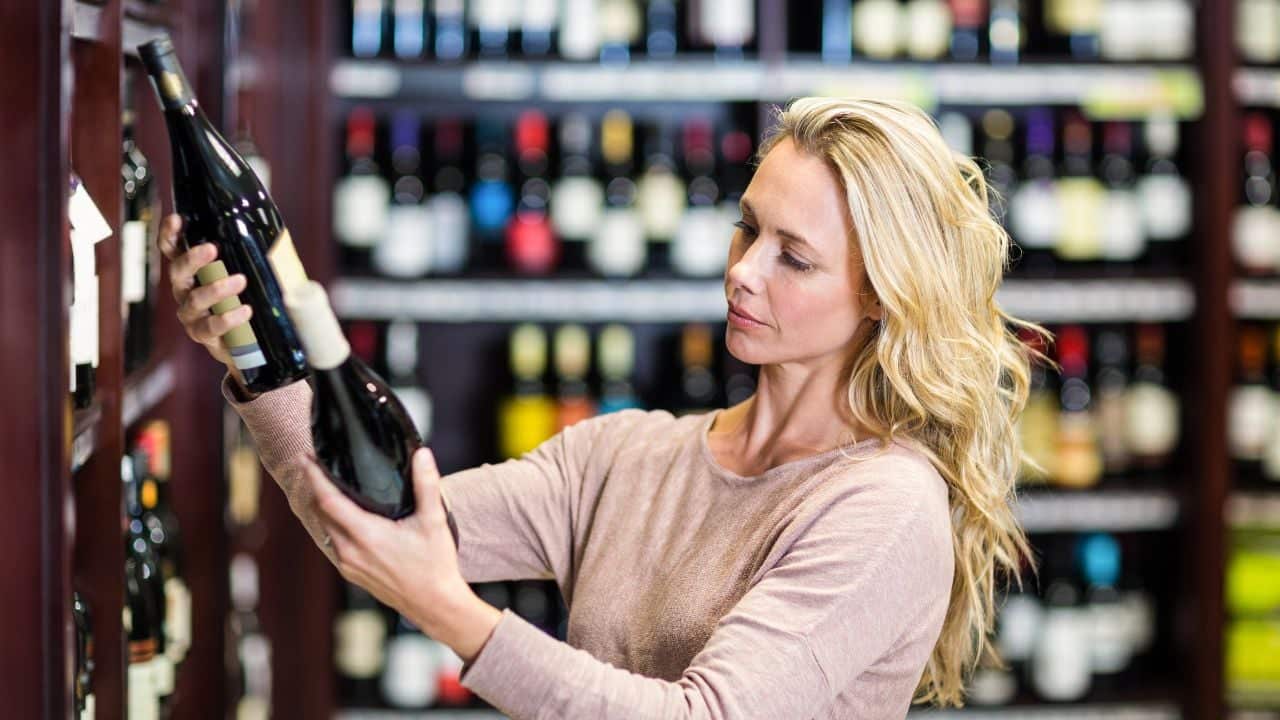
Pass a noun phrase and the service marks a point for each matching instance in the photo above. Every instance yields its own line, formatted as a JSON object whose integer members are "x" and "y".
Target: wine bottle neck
{"x": 167, "y": 77}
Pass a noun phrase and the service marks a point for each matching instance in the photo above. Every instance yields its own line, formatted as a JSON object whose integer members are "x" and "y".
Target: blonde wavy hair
{"x": 944, "y": 366}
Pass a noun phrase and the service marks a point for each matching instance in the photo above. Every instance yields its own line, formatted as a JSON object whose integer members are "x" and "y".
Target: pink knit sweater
{"x": 816, "y": 589}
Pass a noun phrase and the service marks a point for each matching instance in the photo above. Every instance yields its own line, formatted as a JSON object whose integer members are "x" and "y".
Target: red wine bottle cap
{"x": 317, "y": 326}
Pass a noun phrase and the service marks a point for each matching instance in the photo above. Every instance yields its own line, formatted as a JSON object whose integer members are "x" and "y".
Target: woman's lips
{"x": 740, "y": 318}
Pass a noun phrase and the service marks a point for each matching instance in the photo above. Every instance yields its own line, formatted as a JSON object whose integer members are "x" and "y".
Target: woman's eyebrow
{"x": 794, "y": 237}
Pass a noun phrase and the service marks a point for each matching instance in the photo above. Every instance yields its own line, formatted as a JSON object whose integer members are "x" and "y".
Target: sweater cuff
{"x": 515, "y": 670}
{"x": 280, "y": 421}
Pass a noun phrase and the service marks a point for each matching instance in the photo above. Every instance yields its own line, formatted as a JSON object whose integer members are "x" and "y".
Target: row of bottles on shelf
{"x": 520, "y": 198}
{"x": 1084, "y": 628}
{"x": 499, "y": 196}
{"x": 1072, "y": 191}
{"x": 158, "y": 612}
{"x": 382, "y": 660}
{"x": 139, "y": 268}
{"x": 1253, "y": 417}
{"x": 1109, "y": 412}
{"x": 1252, "y": 595}
{"x": 618, "y": 31}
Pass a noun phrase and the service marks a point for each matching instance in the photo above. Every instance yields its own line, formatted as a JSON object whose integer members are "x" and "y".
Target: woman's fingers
{"x": 201, "y": 299}
{"x": 182, "y": 270}
{"x": 170, "y": 227}
{"x": 210, "y": 329}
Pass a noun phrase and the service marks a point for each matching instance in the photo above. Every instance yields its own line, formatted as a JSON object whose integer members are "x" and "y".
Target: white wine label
{"x": 87, "y": 222}
{"x": 133, "y": 261}
{"x": 1080, "y": 200}
{"x": 620, "y": 21}
{"x": 409, "y": 681}
{"x": 240, "y": 340}
{"x": 876, "y": 27}
{"x": 701, "y": 245}
{"x": 452, "y": 222}
{"x": 579, "y": 30}
{"x": 618, "y": 248}
{"x": 539, "y": 15}
{"x": 284, "y": 260}
{"x": 1122, "y": 236}
{"x": 244, "y": 485}
{"x": 1033, "y": 214}
{"x": 143, "y": 702}
{"x": 359, "y": 642}
{"x": 661, "y": 200}
{"x": 1166, "y": 206}
{"x": 407, "y": 250}
{"x": 163, "y": 667}
{"x": 177, "y": 619}
{"x": 360, "y": 210}
{"x": 728, "y": 23}
{"x": 930, "y": 29}
{"x": 577, "y": 206}
{"x": 261, "y": 168}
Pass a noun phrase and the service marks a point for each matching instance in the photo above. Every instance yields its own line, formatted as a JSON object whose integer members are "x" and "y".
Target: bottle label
{"x": 240, "y": 340}
{"x": 177, "y": 619}
{"x": 172, "y": 88}
{"x": 133, "y": 261}
{"x": 284, "y": 259}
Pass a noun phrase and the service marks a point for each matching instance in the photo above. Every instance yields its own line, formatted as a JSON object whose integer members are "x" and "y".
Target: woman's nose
{"x": 746, "y": 272}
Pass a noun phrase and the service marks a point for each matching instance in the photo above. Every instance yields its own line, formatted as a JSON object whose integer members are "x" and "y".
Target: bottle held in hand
{"x": 363, "y": 435}
{"x": 221, "y": 201}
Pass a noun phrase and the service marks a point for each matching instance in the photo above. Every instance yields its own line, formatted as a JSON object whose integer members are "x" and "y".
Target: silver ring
{"x": 328, "y": 541}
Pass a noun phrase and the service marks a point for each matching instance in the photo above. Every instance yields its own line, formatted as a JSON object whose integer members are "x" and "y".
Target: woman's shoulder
{"x": 896, "y": 483}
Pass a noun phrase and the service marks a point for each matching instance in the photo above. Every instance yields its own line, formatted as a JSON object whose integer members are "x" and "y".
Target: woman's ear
{"x": 874, "y": 310}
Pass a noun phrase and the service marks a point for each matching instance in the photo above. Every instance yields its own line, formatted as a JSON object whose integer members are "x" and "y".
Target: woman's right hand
{"x": 195, "y": 301}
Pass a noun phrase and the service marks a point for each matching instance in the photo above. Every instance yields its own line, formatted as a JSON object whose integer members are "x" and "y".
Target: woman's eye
{"x": 745, "y": 228}
{"x": 791, "y": 260}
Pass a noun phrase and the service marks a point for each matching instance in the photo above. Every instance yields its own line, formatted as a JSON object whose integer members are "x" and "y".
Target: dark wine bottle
{"x": 222, "y": 201}
{"x": 147, "y": 675}
{"x": 136, "y": 236}
{"x": 362, "y": 433}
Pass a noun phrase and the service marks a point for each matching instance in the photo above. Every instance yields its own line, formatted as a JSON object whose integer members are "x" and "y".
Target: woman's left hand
{"x": 409, "y": 564}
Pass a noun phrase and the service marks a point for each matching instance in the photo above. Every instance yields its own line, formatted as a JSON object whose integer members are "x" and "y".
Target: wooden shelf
{"x": 1256, "y": 299}
{"x": 1045, "y": 511}
{"x": 1101, "y": 90}
{"x": 1257, "y": 87}
{"x": 459, "y": 301}
{"x": 147, "y": 389}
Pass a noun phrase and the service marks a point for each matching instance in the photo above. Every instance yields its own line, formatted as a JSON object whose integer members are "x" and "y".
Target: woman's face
{"x": 792, "y": 265}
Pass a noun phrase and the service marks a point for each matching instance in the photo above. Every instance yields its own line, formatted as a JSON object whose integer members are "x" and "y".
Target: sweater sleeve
{"x": 854, "y": 585}
{"x": 510, "y": 521}
{"x": 516, "y": 519}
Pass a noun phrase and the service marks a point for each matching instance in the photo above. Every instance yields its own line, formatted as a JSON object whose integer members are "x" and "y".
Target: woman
{"x": 828, "y": 548}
